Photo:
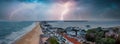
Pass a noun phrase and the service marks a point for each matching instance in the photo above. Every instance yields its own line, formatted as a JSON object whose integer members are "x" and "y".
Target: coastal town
{"x": 77, "y": 35}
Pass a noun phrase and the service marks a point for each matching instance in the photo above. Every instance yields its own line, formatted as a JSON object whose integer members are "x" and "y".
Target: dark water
{"x": 8, "y": 28}
{"x": 81, "y": 24}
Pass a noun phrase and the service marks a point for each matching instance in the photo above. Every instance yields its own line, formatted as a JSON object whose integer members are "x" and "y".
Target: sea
{"x": 12, "y": 31}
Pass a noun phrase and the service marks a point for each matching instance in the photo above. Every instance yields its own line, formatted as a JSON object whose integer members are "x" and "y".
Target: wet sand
{"x": 32, "y": 37}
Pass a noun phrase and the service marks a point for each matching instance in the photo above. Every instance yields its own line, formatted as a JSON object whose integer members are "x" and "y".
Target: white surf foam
{"x": 17, "y": 35}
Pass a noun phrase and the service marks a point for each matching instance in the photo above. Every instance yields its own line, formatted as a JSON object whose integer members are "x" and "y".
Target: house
{"x": 69, "y": 31}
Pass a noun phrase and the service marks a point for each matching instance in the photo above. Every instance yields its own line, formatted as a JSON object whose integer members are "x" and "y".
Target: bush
{"x": 53, "y": 40}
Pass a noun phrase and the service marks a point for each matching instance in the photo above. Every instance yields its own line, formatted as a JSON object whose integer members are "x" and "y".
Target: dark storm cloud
{"x": 3, "y": 9}
{"x": 107, "y": 9}
{"x": 94, "y": 9}
{"x": 102, "y": 9}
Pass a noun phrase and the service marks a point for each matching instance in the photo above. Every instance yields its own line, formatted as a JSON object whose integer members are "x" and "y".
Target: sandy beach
{"x": 32, "y": 37}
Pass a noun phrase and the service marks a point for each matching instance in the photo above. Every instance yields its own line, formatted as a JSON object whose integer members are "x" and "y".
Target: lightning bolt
{"x": 66, "y": 6}
{"x": 66, "y": 10}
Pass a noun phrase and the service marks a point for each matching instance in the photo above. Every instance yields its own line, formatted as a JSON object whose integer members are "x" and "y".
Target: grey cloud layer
{"x": 94, "y": 9}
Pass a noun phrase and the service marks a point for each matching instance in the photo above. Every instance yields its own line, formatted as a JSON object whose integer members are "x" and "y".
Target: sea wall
{"x": 32, "y": 37}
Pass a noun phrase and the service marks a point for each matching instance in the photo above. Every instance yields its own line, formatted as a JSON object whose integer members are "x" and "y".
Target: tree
{"x": 88, "y": 26}
{"x": 100, "y": 34}
{"x": 106, "y": 41}
{"x": 98, "y": 29}
{"x": 94, "y": 34}
{"x": 118, "y": 39}
{"x": 90, "y": 37}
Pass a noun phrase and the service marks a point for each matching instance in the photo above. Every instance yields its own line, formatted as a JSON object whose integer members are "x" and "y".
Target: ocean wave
{"x": 14, "y": 36}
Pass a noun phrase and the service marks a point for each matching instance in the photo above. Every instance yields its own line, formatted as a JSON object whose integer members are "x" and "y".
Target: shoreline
{"x": 31, "y": 37}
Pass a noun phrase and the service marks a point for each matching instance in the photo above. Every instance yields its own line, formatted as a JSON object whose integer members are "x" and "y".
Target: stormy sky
{"x": 38, "y": 10}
